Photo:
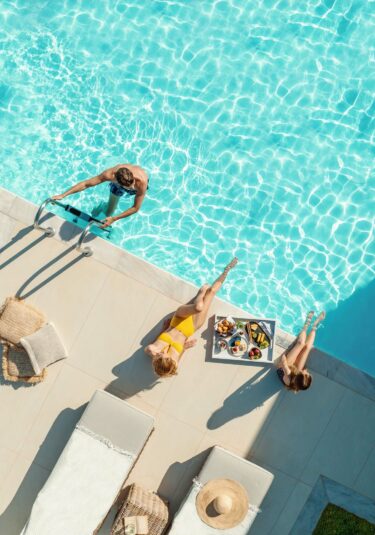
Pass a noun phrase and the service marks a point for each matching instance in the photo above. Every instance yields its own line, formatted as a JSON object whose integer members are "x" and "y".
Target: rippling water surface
{"x": 254, "y": 120}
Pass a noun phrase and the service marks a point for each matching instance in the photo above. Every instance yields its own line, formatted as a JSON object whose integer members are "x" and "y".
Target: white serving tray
{"x": 268, "y": 325}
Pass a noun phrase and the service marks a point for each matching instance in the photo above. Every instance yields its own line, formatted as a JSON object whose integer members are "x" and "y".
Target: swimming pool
{"x": 254, "y": 120}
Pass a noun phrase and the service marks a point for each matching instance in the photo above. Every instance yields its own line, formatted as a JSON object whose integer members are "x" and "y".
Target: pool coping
{"x": 328, "y": 491}
{"x": 174, "y": 287}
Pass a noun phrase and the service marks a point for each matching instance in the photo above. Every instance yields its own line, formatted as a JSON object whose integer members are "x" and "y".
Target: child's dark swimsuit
{"x": 280, "y": 373}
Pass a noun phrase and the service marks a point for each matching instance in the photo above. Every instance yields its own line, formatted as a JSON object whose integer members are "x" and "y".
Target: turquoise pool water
{"x": 254, "y": 120}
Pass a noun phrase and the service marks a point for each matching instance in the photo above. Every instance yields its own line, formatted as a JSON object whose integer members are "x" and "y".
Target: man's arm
{"x": 130, "y": 211}
{"x": 85, "y": 184}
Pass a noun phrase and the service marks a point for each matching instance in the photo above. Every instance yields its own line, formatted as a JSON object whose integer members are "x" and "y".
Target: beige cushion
{"x": 124, "y": 425}
{"x": 19, "y": 319}
{"x": 16, "y": 366}
{"x": 44, "y": 347}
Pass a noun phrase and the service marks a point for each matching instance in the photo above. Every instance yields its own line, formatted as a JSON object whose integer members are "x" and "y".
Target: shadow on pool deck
{"x": 135, "y": 373}
{"x": 20, "y": 292}
{"x": 246, "y": 398}
{"x": 182, "y": 472}
{"x": 19, "y": 236}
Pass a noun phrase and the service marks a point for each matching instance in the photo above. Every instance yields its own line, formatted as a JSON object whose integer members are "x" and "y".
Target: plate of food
{"x": 238, "y": 345}
{"x": 225, "y": 327}
{"x": 257, "y": 335}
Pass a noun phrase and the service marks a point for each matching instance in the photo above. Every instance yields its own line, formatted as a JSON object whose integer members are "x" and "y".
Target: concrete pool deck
{"x": 106, "y": 308}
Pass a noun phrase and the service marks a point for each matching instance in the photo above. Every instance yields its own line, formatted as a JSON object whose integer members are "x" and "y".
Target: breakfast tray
{"x": 268, "y": 326}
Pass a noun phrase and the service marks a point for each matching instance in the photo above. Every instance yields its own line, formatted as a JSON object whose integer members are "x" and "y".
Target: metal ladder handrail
{"x": 85, "y": 251}
{"x": 49, "y": 231}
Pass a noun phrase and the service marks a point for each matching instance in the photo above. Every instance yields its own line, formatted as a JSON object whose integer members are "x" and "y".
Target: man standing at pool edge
{"x": 124, "y": 178}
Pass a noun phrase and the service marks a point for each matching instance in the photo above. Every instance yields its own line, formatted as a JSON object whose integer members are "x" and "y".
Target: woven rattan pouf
{"x": 139, "y": 502}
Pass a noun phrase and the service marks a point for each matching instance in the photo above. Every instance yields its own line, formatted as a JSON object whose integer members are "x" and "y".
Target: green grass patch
{"x": 337, "y": 521}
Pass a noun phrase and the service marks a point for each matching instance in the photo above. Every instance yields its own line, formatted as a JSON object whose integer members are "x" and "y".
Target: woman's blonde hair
{"x": 299, "y": 380}
{"x": 164, "y": 366}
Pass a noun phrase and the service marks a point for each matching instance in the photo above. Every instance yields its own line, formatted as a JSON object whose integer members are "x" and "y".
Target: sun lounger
{"x": 92, "y": 468}
{"x": 221, "y": 464}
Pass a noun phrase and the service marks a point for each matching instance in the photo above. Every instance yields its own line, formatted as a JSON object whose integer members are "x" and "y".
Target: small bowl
{"x": 222, "y": 344}
{"x": 255, "y": 353}
{"x": 226, "y": 334}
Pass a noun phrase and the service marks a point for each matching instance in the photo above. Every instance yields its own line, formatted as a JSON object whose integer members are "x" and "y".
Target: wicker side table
{"x": 139, "y": 502}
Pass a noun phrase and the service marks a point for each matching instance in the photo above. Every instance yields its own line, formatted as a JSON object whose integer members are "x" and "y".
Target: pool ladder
{"x": 50, "y": 231}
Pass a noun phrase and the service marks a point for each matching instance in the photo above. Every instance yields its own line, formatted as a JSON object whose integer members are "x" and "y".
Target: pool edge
{"x": 178, "y": 289}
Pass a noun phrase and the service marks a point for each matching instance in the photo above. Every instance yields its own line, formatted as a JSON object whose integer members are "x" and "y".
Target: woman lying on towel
{"x": 167, "y": 349}
{"x": 291, "y": 368}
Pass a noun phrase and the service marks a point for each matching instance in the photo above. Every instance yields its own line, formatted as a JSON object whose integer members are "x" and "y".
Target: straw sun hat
{"x": 222, "y": 503}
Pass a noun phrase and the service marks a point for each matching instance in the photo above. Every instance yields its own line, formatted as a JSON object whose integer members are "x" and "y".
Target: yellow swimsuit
{"x": 185, "y": 326}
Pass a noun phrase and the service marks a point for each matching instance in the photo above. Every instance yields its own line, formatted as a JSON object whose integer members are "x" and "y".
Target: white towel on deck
{"x": 81, "y": 488}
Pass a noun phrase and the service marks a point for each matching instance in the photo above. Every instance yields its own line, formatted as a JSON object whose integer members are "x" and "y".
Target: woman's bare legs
{"x": 300, "y": 341}
{"x": 200, "y": 316}
{"x": 301, "y": 359}
{"x": 197, "y": 304}
{"x": 194, "y": 305}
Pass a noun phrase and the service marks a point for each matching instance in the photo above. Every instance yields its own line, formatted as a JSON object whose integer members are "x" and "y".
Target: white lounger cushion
{"x": 221, "y": 464}
{"x": 122, "y": 424}
{"x": 91, "y": 469}
{"x": 224, "y": 464}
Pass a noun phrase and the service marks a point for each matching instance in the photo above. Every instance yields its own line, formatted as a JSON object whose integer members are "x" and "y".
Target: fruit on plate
{"x": 264, "y": 344}
{"x": 238, "y": 350}
{"x": 237, "y": 345}
{"x": 255, "y": 353}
